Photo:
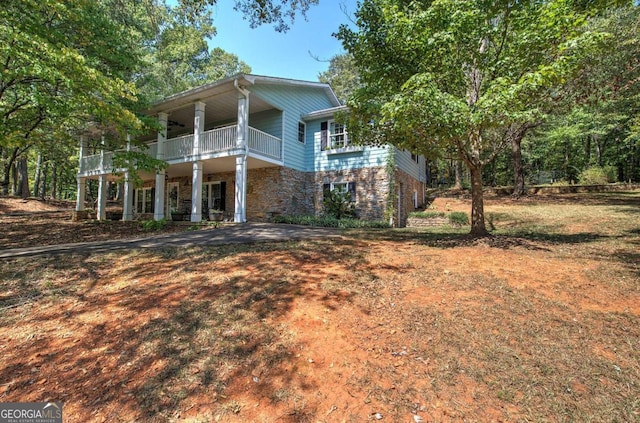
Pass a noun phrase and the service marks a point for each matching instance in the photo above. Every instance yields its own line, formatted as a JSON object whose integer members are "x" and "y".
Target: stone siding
{"x": 372, "y": 190}
{"x": 408, "y": 185}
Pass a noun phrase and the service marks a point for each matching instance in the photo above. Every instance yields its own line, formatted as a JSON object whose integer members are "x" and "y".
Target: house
{"x": 254, "y": 147}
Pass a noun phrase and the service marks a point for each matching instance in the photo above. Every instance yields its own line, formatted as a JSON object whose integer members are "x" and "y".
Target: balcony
{"x": 216, "y": 142}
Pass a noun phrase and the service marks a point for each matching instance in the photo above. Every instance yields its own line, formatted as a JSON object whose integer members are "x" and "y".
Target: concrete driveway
{"x": 244, "y": 233}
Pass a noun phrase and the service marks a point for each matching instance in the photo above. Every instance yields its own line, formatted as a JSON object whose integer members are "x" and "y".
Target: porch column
{"x": 81, "y": 193}
{"x": 198, "y": 127}
{"x": 240, "y": 215}
{"x": 101, "y": 213}
{"x": 127, "y": 204}
{"x": 158, "y": 213}
{"x": 196, "y": 192}
{"x": 82, "y": 185}
{"x": 198, "y": 166}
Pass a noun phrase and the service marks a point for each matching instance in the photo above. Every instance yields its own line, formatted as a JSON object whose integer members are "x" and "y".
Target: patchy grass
{"x": 539, "y": 322}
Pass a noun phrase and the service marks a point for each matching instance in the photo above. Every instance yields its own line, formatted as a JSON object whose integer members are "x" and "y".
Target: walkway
{"x": 245, "y": 233}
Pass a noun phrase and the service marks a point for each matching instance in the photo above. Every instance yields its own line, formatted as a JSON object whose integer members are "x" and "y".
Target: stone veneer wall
{"x": 372, "y": 190}
{"x": 409, "y": 185}
{"x": 278, "y": 190}
{"x": 270, "y": 191}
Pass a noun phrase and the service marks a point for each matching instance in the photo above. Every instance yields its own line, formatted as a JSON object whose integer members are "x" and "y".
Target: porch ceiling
{"x": 220, "y": 165}
{"x": 221, "y": 108}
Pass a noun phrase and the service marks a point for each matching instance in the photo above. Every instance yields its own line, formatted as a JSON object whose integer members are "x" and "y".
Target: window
{"x": 145, "y": 200}
{"x": 172, "y": 197}
{"x": 342, "y": 187}
{"x": 213, "y": 196}
{"x": 415, "y": 158}
{"x": 337, "y": 135}
{"x": 302, "y": 129}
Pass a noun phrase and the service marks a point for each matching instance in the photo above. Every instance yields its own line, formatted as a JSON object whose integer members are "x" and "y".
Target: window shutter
{"x": 223, "y": 195}
{"x": 351, "y": 187}
{"x": 324, "y": 135}
{"x": 153, "y": 200}
{"x": 326, "y": 188}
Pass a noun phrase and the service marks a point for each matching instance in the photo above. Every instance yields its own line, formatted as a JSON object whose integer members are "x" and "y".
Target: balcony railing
{"x": 181, "y": 148}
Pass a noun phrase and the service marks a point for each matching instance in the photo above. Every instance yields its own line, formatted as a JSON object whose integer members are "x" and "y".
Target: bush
{"x": 330, "y": 222}
{"x": 153, "y": 225}
{"x": 338, "y": 204}
{"x": 458, "y": 218}
{"x": 597, "y": 175}
{"x": 426, "y": 214}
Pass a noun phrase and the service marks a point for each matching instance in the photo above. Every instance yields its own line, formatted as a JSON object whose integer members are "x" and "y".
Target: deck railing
{"x": 213, "y": 141}
{"x": 265, "y": 144}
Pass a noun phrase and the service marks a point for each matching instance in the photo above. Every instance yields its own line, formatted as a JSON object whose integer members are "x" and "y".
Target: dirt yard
{"x": 539, "y": 322}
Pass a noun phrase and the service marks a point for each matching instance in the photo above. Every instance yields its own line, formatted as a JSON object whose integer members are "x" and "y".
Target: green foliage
{"x": 338, "y": 205}
{"x": 426, "y": 214}
{"x": 153, "y": 225}
{"x": 458, "y": 218}
{"x": 455, "y": 74}
{"x": 330, "y": 222}
{"x": 342, "y": 75}
{"x": 597, "y": 175}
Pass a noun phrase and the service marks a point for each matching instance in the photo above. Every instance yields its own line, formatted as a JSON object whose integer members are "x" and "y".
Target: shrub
{"x": 597, "y": 175}
{"x": 338, "y": 204}
{"x": 153, "y": 225}
{"x": 458, "y": 218}
{"x": 330, "y": 222}
{"x": 426, "y": 214}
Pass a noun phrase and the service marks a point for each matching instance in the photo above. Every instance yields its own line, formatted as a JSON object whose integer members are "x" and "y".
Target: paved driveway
{"x": 244, "y": 233}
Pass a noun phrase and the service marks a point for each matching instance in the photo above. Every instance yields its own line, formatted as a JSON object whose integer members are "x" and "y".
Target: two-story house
{"x": 253, "y": 147}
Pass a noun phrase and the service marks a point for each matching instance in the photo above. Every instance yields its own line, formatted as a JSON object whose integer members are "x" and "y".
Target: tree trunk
{"x": 518, "y": 168}
{"x": 22, "y": 170}
{"x": 457, "y": 166}
{"x": 14, "y": 179}
{"x": 54, "y": 180}
{"x": 43, "y": 182}
{"x": 477, "y": 201}
{"x": 38, "y": 178}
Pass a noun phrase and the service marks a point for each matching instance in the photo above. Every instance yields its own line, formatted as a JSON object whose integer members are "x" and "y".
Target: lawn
{"x": 539, "y": 322}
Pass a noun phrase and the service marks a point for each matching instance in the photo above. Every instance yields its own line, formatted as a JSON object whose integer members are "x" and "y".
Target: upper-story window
{"x": 337, "y": 135}
{"x": 302, "y": 130}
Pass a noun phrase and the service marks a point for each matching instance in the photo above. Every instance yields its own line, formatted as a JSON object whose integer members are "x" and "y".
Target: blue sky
{"x": 286, "y": 55}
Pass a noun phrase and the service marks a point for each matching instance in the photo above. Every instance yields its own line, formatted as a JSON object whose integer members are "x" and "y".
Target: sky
{"x": 293, "y": 54}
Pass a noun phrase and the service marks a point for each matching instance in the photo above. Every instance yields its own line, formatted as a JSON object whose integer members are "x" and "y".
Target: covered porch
{"x": 211, "y": 129}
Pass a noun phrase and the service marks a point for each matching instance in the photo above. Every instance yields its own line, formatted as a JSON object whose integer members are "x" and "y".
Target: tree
{"x": 342, "y": 75}
{"x": 66, "y": 64}
{"x": 459, "y": 73}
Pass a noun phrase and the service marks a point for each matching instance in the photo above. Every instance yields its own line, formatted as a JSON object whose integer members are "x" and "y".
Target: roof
{"x": 240, "y": 80}
{"x": 324, "y": 113}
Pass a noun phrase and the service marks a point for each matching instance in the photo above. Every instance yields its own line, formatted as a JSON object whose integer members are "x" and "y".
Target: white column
{"x": 198, "y": 127}
{"x": 82, "y": 185}
{"x": 240, "y": 214}
{"x": 196, "y": 192}
{"x": 158, "y": 213}
{"x": 101, "y": 213}
{"x": 127, "y": 204}
{"x": 81, "y": 193}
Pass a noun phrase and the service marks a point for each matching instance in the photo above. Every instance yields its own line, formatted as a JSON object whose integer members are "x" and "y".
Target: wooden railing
{"x": 213, "y": 141}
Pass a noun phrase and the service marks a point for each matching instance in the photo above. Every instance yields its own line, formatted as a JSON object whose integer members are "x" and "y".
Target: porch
{"x": 215, "y": 143}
